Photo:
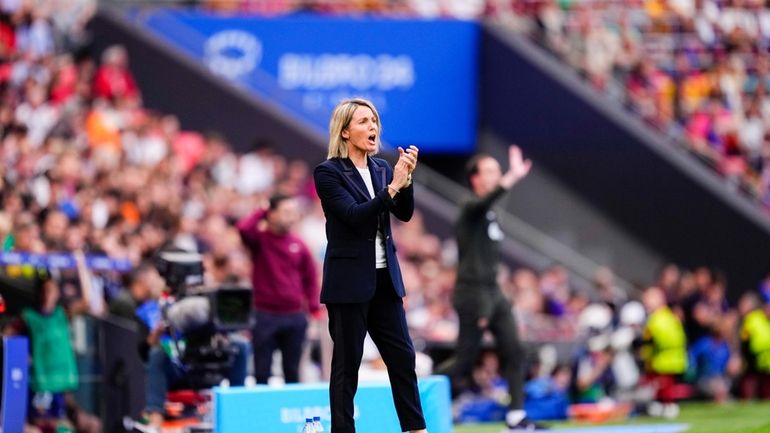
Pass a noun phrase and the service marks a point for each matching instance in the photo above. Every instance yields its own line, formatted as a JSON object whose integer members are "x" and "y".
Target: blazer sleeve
{"x": 404, "y": 208}
{"x": 340, "y": 203}
{"x": 404, "y": 200}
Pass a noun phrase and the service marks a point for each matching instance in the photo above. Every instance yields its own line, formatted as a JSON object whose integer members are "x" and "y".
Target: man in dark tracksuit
{"x": 478, "y": 300}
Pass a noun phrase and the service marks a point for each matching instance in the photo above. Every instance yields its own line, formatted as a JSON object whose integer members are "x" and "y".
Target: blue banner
{"x": 13, "y": 406}
{"x": 420, "y": 74}
{"x": 63, "y": 261}
{"x": 284, "y": 409}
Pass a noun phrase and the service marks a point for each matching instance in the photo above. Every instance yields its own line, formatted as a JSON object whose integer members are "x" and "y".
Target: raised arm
{"x": 404, "y": 208}
{"x": 400, "y": 185}
{"x": 247, "y": 227}
{"x": 518, "y": 168}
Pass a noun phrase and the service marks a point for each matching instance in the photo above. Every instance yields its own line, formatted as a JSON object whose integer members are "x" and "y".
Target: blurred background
{"x": 128, "y": 126}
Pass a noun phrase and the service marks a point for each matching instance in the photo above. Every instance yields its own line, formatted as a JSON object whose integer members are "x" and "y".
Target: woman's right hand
{"x": 407, "y": 161}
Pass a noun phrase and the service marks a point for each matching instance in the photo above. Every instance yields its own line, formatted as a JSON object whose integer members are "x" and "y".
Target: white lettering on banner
{"x": 317, "y": 100}
{"x": 232, "y": 53}
{"x": 330, "y": 71}
{"x": 58, "y": 261}
{"x": 12, "y": 258}
{"x": 17, "y": 374}
{"x": 295, "y": 415}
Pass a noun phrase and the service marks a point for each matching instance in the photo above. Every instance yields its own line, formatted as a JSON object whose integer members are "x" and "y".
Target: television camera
{"x": 199, "y": 318}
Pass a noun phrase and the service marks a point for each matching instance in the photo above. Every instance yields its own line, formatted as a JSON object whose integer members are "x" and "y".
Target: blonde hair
{"x": 341, "y": 117}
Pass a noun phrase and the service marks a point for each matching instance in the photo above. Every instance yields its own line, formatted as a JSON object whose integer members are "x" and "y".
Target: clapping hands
{"x": 407, "y": 161}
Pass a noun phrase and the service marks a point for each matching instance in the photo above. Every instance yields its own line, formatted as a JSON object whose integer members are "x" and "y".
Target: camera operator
{"x": 285, "y": 285}
{"x": 165, "y": 371}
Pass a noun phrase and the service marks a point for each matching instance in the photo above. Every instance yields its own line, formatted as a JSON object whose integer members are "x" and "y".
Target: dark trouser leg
{"x": 468, "y": 346}
{"x": 291, "y": 338}
{"x": 264, "y": 345}
{"x": 387, "y": 326}
{"x": 162, "y": 375}
{"x": 347, "y": 326}
{"x": 237, "y": 374}
{"x": 746, "y": 386}
{"x": 510, "y": 350}
{"x": 764, "y": 386}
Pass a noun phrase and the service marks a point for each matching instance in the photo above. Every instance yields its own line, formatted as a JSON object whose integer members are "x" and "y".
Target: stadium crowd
{"x": 696, "y": 71}
{"x": 88, "y": 169}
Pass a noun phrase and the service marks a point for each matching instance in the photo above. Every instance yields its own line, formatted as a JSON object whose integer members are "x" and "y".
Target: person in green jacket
{"x": 755, "y": 347}
{"x": 53, "y": 372}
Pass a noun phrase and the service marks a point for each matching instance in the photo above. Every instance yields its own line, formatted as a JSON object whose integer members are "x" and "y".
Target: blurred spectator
{"x": 484, "y": 400}
{"x": 755, "y": 347}
{"x": 113, "y": 79}
{"x": 144, "y": 284}
{"x": 285, "y": 283}
{"x": 668, "y": 281}
{"x": 712, "y": 363}
{"x": 626, "y": 363}
{"x": 592, "y": 376}
{"x": 609, "y": 294}
{"x": 664, "y": 353}
{"x": 546, "y": 394}
{"x": 53, "y": 373}
{"x": 705, "y": 307}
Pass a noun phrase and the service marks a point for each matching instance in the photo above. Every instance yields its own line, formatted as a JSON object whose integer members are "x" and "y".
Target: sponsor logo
{"x": 232, "y": 53}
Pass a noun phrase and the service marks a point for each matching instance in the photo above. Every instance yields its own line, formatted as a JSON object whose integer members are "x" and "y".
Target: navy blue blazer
{"x": 351, "y": 228}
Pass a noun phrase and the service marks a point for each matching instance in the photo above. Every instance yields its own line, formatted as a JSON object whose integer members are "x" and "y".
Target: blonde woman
{"x": 362, "y": 285}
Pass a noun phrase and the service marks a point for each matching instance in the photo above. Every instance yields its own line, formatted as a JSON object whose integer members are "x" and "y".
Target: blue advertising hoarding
{"x": 13, "y": 405}
{"x": 422, "y": 75}
{"x": 284, "y": 409}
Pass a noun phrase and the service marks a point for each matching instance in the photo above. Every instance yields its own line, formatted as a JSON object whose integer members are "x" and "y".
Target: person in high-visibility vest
{"x": 755, "y": 347}
{"x": 666, "y": 344}
{"x": 664, "y": 351}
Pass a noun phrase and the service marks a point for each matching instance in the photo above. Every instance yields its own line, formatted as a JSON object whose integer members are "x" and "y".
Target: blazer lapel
{"x": 378, "y": 178}
{"x": 378, "y": 182}
{"x": 354, "y": 178}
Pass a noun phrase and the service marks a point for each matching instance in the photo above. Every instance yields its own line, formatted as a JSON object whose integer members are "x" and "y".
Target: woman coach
{"x": 362, "y": 286}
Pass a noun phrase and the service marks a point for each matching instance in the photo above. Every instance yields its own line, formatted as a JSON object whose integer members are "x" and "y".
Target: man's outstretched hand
{"x": 518, "y": 167}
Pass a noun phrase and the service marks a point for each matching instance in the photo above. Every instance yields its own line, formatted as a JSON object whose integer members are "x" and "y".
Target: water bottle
{"x": 308, "y": 426}
{"x": 317, "y": 424}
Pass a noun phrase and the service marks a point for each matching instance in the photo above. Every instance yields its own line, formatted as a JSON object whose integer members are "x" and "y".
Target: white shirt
{"x": 379, "y": 245}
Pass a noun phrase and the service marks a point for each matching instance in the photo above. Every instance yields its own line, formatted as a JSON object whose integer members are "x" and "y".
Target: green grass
{"x": 702, "y": 418}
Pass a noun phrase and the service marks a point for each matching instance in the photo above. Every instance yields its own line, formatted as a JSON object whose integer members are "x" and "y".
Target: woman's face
{"x": 361, "y": 133}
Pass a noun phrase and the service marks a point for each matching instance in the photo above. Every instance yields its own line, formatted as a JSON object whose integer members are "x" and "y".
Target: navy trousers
{"x": 384, "y": 318}
{"x": 285, "y": 332}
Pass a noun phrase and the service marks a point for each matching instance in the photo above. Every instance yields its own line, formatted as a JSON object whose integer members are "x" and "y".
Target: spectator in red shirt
{"x": 285, "y": 285}
{"x": 113, "y": 78}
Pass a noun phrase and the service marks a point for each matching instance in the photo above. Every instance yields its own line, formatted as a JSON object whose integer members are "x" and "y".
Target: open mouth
{"x": 373, "y": 139}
